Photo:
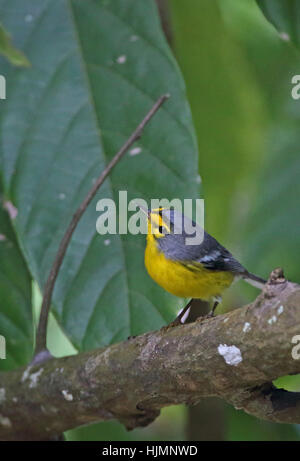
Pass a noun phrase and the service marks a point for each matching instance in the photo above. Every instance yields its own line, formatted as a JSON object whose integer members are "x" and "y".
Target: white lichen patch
{"x": 26, "y": 374}
{"x": 122, "y": 59}
{"x": 272, "y": 320}
{"x": 246, "y": 327}
{"x": 5, "y": 422}
{"x": 34, "y": 377}
{"x": 67, "y": 395}
{"x": 2, "y": 395}
{"x": 280, "y": 310}
{"x": 232, "y": 354}
{"x": 135, "y": 151}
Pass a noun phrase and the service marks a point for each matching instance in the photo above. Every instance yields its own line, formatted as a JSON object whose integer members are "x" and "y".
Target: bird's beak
{"x": 144, "y": 210}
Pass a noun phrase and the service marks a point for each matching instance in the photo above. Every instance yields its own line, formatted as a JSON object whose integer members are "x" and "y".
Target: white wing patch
{"x": 210, "y": 256}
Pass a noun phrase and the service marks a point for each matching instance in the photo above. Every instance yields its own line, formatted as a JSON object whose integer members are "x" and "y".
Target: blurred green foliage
{"x": 243, "y": 427}
{"x": 285, "y": 15}
{"x": 227, "y": 110}
{"x": 7, "y": 49}
{"x": 169, "y": 426}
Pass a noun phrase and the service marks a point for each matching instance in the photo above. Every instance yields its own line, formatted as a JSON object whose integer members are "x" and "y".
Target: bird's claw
{"x": 205, "y": 317}
{"x": 175, "y": 323}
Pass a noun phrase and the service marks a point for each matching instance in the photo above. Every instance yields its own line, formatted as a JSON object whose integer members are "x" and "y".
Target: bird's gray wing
{"x": 212, "y": 255}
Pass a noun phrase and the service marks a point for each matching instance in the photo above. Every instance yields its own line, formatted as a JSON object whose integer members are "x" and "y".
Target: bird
{"x": 197, "y": 271}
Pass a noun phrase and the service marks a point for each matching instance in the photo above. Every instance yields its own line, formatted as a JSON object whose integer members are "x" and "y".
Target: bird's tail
{"x": 254, "y": 280}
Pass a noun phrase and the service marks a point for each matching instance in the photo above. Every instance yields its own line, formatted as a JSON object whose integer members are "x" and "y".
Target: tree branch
{"x": 41, "y": 337}
{"x": 133, "y": 380}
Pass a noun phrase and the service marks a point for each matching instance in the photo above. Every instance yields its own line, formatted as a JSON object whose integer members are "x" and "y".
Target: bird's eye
{"x": 160, "y": 227}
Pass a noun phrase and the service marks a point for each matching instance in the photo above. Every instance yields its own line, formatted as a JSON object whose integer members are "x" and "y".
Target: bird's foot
{"x": 201, "y": 318}
{"x": 175, "y": 323}
{"x": 212, "y": 312}
{"x": 131, "y": 337}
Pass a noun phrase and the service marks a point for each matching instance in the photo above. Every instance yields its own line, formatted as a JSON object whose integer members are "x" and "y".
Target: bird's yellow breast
{"x": 181, "y": 279}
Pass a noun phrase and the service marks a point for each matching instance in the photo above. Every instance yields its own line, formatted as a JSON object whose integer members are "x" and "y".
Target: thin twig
{"x": 41, "y": 337}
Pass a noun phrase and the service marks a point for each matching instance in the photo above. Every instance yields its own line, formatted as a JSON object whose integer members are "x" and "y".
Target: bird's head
{"x": 162, "y": 221}
{"x": 170, "y": 230}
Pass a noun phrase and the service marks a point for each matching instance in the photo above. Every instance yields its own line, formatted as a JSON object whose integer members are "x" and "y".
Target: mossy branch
{"x": 133, "y": 380}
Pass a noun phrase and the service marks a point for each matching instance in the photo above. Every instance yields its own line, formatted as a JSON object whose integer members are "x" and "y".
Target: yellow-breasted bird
{"x": 201, "y": 271}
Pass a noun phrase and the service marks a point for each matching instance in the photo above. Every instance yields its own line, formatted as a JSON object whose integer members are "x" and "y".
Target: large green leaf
{"x": 97, "y": 68}
{"x": 16, "y": 324}
{"x": 285, "y": 16}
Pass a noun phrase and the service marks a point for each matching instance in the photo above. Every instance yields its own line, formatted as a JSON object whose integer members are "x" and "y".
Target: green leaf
{"x": 16, "y": 324}
{"x": 285, "y": 16}
{"x": 97, "y": 68}
{"x": 7, "y": 49}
